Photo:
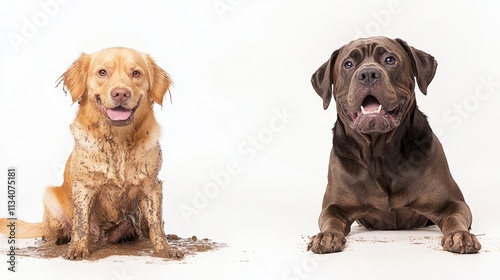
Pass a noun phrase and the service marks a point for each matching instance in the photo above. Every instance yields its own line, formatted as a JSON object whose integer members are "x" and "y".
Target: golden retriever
{"x": 111, "y": 190}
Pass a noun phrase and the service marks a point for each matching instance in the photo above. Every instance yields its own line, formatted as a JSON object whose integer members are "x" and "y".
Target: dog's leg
{"x": 82, "y": 203}
{"x": 151, "y": 208}
{"x": 455, "y": 223}
{"x": 56, "y": 223}
{"x": 334, "y": 227}
{"x": 54, "y": 230}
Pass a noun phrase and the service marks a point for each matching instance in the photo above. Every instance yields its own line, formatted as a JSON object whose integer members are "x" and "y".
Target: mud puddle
{"x": 189, "y": 246}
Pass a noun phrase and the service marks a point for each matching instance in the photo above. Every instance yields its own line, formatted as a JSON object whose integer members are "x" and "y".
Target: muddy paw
{"x": 75, "y": 251}
{"x": 326, "y": 242}
{"x": 462, "y": 242}
{"x": 170, "y": 253}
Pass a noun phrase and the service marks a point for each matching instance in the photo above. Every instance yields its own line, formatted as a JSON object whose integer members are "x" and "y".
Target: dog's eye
{"x": 390, "y": 60}
{"x": 136, "y": 74}
{"x": 102, "y": 73}
{"x": 348, "y": 64}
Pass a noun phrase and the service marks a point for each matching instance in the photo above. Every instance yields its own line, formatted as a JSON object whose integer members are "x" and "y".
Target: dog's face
{"x": 117, "y": 84}
{"x": 373, "y": 82}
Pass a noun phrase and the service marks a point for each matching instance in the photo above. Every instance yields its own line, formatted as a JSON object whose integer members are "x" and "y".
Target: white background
{"x": 235, "y": 64}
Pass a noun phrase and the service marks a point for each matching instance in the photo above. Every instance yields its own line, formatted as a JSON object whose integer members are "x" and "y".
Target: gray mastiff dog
{"x": 387, "y": 169}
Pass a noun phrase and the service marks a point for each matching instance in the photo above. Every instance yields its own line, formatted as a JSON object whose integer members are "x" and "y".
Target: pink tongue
{"x": 118, "y": 115}
{"x": 371, "y": 107}
{"x": 370, "y": 103}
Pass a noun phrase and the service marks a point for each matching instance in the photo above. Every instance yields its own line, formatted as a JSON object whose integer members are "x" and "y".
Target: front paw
{"x": 169, "y": 253}
{"x": 76, "y": 251}
{"x": 327, "y": 242}
{"x": 461, "y": 241}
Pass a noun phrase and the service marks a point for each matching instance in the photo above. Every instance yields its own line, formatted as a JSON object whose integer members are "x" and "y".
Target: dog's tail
{"x": 20, "y": 229}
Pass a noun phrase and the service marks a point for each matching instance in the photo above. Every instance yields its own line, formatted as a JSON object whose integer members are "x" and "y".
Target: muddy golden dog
{"x": 111, "y": 191}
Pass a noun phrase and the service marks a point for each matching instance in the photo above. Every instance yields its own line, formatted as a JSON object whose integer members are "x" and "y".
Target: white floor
{"x": 413, "y": 254}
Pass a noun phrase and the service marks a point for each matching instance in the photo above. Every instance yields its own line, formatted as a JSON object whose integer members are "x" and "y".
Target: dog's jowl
{"x": 387, "y": 169}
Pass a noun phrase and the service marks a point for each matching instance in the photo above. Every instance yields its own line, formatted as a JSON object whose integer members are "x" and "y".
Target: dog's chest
{"x": 123, "y": 179}
{"x": 124, "y": 169}
{"x": 120, "y": 172}
{"x": 113, "y": 160}
{"x": 120, "y": 168}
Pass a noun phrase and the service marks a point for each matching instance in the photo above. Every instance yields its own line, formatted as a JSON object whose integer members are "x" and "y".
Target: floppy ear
{"x": 75, "y": 77}
{"x": 424, "y": 65}
{"x": 159, "y": 81}
{"x": 322, "y": 80}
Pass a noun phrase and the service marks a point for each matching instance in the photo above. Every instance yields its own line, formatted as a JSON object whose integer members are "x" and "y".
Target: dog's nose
{"x": 368, "y": 75}
{"x": 120, "y": 94}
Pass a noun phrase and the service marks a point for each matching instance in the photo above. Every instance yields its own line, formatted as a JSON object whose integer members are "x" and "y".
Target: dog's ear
{"x": 75, "y": 78}
{"x": 159, "y": 81}
{"x": 424, "y": 65}
{"x": 322, "y": 80}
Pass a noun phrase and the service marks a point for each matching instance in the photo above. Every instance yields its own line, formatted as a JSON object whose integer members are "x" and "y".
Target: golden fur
{"x": 110, "y": 191}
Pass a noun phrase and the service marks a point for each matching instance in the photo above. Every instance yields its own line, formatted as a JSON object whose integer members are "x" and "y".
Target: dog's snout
{"x": 120, "y": 94}
{"x": 368, "y": 75}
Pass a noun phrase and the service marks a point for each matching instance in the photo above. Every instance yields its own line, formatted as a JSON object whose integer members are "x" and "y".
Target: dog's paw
{"x": 170, "y": 253}
{"x": 326, "y": 242}
{"x": 461, "y": 242}
{"x": 76, "y": 251}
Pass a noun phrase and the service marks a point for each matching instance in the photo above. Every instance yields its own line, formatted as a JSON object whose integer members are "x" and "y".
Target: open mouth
{"x": 119, "y": 115}
{"x": 373, "y": 116}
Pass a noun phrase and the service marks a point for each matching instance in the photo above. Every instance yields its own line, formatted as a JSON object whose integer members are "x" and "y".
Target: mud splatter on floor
{"x": 142, "y": 247}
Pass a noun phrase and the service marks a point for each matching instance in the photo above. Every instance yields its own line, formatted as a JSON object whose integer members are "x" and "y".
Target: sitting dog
{"x": 111, "y": 190}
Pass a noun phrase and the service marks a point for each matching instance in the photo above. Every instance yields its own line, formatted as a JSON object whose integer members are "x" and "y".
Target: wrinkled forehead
{"x": 118, "y": 57}
{"x": 369, "y": 47}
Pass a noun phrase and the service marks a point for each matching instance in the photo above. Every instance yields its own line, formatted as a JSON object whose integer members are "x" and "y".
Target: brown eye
{"x": 136, "y": 74}
{"x": 102, "y": 73}
{"x": 348, "y": 65}
{"x": 390, "y": 60}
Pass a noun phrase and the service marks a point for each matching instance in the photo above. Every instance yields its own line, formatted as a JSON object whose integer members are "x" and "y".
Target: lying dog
{"x": 110, "y": 191}
{"x": 387, "y": 169}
